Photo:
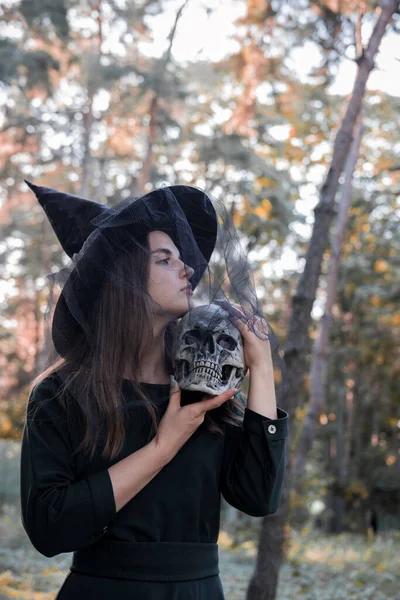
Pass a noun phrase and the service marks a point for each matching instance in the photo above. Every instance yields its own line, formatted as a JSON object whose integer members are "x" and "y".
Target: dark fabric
{"x": 147, "y": 561}
{"x": 86, "y": 587}
{"x": 68, "y": 504}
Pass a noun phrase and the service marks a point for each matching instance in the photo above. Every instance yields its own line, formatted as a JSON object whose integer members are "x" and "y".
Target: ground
{"x": 318, "y": 567}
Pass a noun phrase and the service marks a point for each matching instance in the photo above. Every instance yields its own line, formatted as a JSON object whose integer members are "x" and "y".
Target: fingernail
{"x": 171, "y": 381}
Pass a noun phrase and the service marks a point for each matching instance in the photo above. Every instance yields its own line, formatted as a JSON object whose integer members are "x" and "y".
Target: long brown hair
{"x": 122, "y": 329}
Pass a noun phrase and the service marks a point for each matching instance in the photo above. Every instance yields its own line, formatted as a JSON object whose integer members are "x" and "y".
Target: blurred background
{"x": 249, "y": 100}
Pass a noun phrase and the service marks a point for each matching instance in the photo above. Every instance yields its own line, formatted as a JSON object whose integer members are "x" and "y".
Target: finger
{"x": 235, "y": 314}
{"x": 175, "y": 391}
{"x": 229, "y": 307}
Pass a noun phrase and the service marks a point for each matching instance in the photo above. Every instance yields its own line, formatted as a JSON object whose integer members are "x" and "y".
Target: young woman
{"x": 118, "y": 465}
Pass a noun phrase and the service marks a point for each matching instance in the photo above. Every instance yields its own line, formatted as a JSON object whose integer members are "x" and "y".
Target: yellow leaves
{"x": 376, "y": 301}
{"x": 8, "y": 589}
{"x": 356, "y": 489}
{"x": 224, "y": 539}
{"x": 381, "y": 266}
{"x": 264, "y": 209}
{"x": 248, "y": 547}
{"x": 366, "y": 227}
{"x": 300, "y": 412}
{"x": 5, "y": 425}
{"x": 5, "y": 578}
{"x": 265, "y": 182}
{"x": 389, "y": 320}
{"x": 49, "y": 571}
{"x": 355, "y": 210}
{"x": 238, "y": 219}
{"x": 396, "y": 319}
{"x": 121, "y": 142}
{"x": 246, "y": 206}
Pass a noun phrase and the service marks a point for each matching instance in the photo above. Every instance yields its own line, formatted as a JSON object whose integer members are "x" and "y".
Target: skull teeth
{"x": 207, "y": 368}
{"x": 205, "y": 373}
{"x": 206, "y": 363}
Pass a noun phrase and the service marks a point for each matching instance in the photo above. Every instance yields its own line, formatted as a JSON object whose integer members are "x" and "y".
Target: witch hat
{"x": 92, "y": 234}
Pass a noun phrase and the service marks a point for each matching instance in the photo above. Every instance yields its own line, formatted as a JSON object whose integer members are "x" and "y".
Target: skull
{"x": 208, "y": 351}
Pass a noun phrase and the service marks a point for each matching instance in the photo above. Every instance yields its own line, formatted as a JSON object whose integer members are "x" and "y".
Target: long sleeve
{"x": 59, "y": 513}
{"x": 254, "y": 463}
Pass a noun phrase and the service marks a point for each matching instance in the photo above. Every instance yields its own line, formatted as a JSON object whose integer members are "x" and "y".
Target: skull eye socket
{"x": 191, "y": 337}
{"x": 226, "y": 341}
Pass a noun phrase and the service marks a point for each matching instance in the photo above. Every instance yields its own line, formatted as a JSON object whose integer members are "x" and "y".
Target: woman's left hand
{"x": 257, "y": 352}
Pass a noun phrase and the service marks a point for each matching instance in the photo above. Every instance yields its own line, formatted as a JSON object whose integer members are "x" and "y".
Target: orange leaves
{"x": 265, "y": 182}
{"x": 121, "y": 141}
{"x": 376, "y": 301}
{"x": 5, "y": 425}
{"x": 396, "y": 319}
{"x": 381, "y": 266}
{"x": 264, "y": 209}
{"x": 238, "y": 219}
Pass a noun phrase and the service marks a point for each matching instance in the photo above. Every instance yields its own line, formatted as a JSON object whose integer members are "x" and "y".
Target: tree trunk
{"x": 145, "y": 173}
{"x": 320, "y": 353}
{"x": 271, "y": 542}
{"x": 42, "y": 353}
{"x": 271, "y": 551}
{"x": 87, "y": 159}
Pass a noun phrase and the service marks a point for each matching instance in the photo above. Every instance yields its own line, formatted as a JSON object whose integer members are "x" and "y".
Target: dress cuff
{"x": 272, "y": 429}
{"x": 103, "y": 499}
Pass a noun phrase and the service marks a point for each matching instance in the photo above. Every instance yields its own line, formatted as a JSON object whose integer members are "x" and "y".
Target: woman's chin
{"x": 189, "y": 305}
{"x": 178, "y": 311}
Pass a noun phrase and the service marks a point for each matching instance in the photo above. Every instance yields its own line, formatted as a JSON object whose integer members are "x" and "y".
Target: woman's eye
{"x": 164, "y": 260}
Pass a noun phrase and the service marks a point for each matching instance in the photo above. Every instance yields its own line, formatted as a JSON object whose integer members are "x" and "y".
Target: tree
{"x": 264, "y": 580}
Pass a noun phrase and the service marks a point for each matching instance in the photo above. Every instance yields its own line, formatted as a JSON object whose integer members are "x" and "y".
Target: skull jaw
{"x": 198, "y": 380}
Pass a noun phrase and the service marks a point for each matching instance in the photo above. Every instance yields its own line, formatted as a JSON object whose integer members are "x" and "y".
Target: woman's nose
{"x": 188, "y": 271}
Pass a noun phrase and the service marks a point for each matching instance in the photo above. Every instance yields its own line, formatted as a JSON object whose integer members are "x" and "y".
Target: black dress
{"x": 162, "y": 545}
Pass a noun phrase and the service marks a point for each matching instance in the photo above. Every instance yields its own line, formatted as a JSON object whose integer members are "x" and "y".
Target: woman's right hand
{"x": 180, "y": 422}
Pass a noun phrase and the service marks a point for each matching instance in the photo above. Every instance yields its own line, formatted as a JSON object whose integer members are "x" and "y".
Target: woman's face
{"x": 168, "y": 276}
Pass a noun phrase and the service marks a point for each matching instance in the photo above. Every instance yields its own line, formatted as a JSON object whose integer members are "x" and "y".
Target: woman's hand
{"x": 180, "y": 422}
{"x": 257, "y": 352}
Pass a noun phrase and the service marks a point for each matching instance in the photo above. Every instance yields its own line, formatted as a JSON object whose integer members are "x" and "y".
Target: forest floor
{"x": 318, "y": 567}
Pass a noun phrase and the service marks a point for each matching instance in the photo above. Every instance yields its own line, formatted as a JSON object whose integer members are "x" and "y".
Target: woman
{"x": 119, "y": 465}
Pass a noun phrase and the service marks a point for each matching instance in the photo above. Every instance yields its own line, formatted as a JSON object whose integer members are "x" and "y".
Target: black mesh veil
{"x": 109, "y": 246}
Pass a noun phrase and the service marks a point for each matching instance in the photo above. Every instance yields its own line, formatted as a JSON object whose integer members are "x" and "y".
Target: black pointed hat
{"x": 92, "y": 233}
{"x": 69, "y": 215}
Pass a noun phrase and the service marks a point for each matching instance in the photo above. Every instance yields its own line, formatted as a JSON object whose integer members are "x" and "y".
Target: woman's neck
{"x": 153, "y": 365}
{"x": 159, "y": 376}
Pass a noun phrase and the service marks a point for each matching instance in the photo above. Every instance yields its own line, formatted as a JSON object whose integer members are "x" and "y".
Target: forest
{"x": 289, "y": 111}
